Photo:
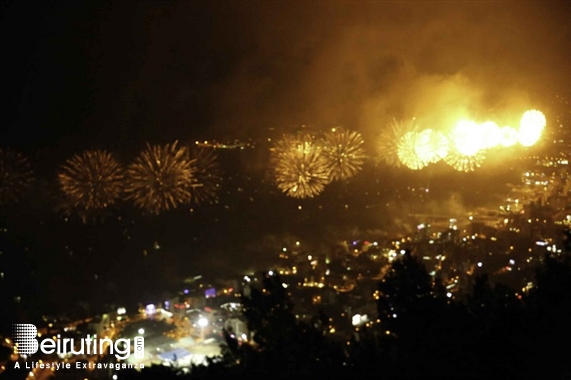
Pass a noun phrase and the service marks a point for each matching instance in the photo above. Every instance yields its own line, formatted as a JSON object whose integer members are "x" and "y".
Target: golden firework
{"x": 466, "y": 138}
{"x": 161, "y": 178}
{"x": 90, "y": 182}
{"x": 344, "y": 153}
{"x": 390, "y": 138}
{"x": 407, "y": 152}
{"x": 463, "y": 162}
{"x": 16, "y": 176}
{"x": 491, "y": 134}
{"x": 430, "y": 146}
{"x": 300, "y": 169}
{"x": 531, "y": 126}
{"x": 207, "y": 176}
{"x": 508, "y": 136}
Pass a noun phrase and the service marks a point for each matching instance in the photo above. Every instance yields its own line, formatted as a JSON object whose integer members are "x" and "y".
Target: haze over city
{"x": 151, "y": 150}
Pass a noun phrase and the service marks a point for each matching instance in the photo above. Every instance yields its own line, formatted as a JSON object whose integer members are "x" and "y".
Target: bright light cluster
{"x": 304, "y": 164}
{"x": 463, "y": 147}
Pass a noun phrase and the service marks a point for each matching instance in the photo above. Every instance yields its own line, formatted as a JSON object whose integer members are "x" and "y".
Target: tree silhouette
{"x": 431, "y": 334}
{"x": 406, "y": 282}
{"x": 550, "y": 301}
{"x": 282, "y": 346}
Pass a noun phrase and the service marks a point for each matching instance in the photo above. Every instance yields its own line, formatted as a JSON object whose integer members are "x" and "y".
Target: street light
{"x": 202, "y": 322}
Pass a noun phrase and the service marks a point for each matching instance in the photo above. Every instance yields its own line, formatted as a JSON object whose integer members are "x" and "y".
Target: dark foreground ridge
{"x": 422, "y": 334}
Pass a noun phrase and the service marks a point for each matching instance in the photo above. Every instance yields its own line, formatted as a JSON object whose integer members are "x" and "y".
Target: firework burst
{"x": 161, "y": 178}
{"x": 463, "y": 162}
{"x": 300, "y": 169}
{"x": 344, "y": 153}
{"x": 431, "y": 146}
{"x": 531, "y": 126}
{"x": 466, "y": 138}
{"x": 508, "y": 136}
{"x": 16, "y": 176}
{"x": 491, "y": 134}
{"x": 207, "y": 176}
{"x": 90, "y": 182}
{"x": 408, "y": 151}
{"x": 390, "y": 139}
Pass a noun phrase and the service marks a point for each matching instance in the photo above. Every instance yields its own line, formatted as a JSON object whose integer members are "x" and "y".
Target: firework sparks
{"x": 463, "y": 162}
{"x": 301, "y": 171}
{"x": 491, "y": 135}
{"x": 90, "y": 182}
{"x": 508, "y": 136}
{"x": 207, "y": 176}
{"x": 530, "y": 127}
{"x": 430, "y": 146}
{"x": 390, "y": 139}
{"x": 344, "y": 153}
{"x": 161, "y": 178}
{"x": 407, "y": 152}
{"x": 16, "y": 176}
{"x": 466, "y": 138}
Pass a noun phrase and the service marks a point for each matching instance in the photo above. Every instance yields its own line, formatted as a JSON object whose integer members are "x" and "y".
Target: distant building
{"x": 450, "y": 235}
{"x": 422, "y": 232}
{"x": 237, "y": 326}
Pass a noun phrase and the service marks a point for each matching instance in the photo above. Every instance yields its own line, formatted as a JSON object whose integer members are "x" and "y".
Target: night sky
{"x": 116, "y": 75}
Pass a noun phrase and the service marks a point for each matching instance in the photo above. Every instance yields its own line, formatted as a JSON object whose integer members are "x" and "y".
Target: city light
{"x": 150, "y": 309}
{"x": 202, "y": 322}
